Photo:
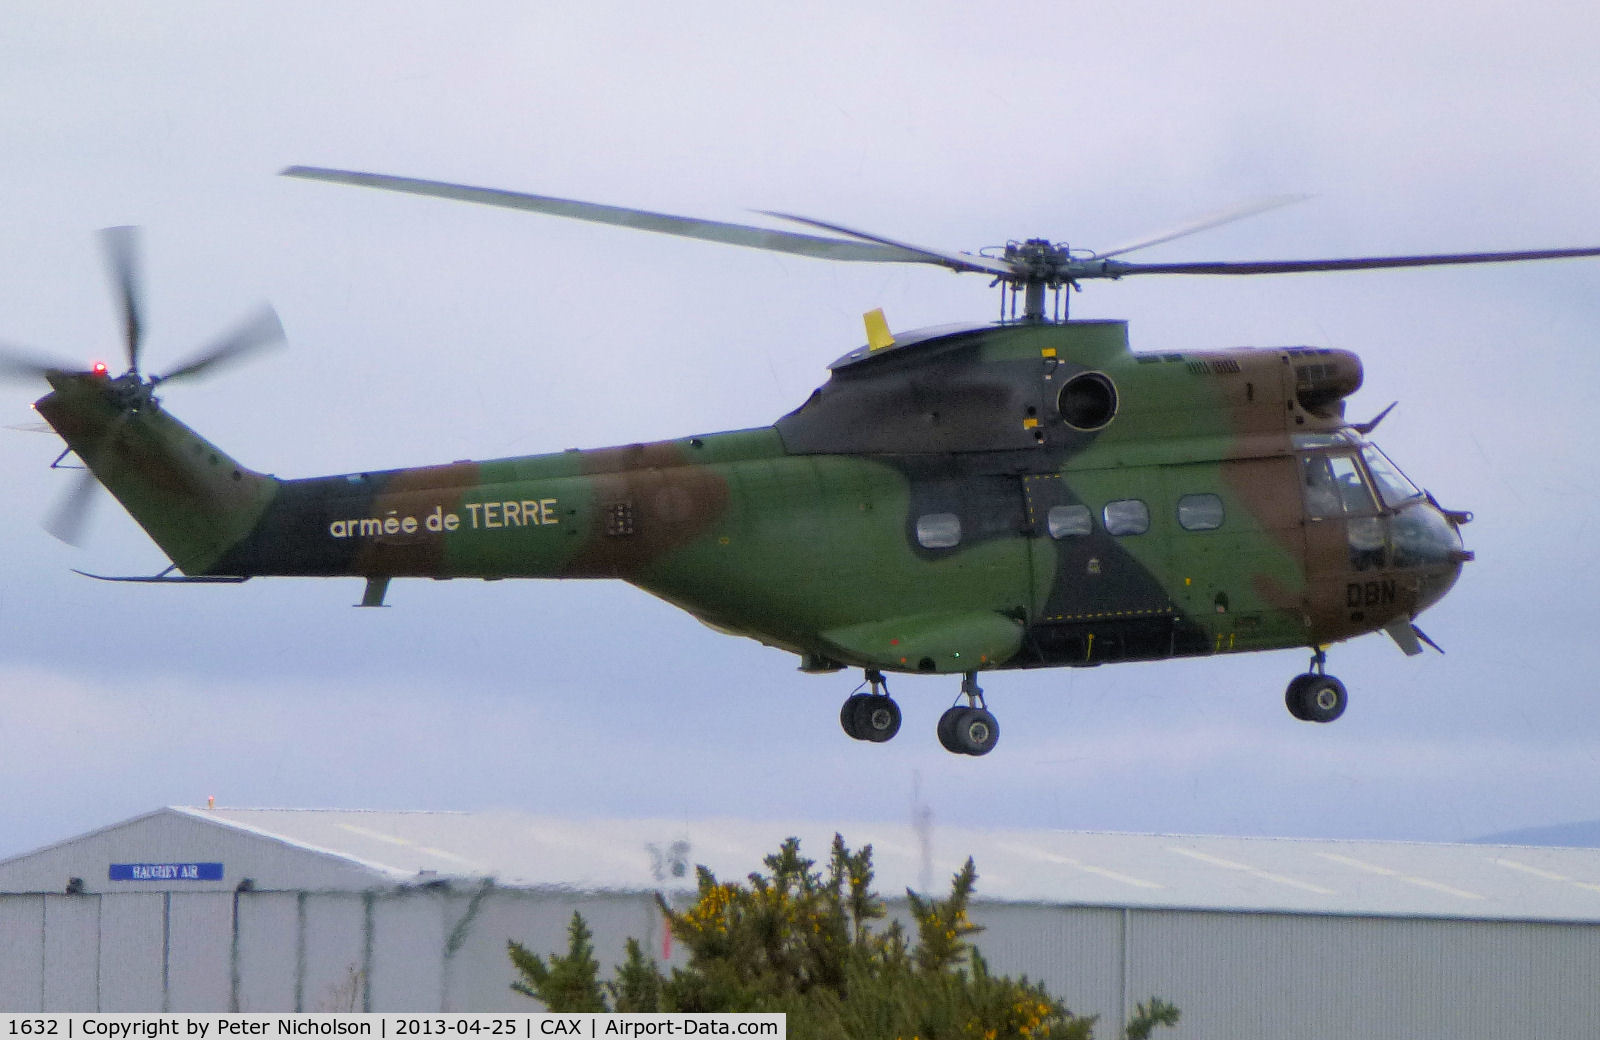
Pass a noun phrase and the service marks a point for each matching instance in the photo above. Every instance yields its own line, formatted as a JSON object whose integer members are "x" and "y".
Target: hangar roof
{"x": 337, "y": 849}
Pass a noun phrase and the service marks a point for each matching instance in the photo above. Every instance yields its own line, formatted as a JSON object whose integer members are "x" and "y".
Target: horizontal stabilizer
{"x": 1404, "y": 635}
{"x": 169, "y": 579}
{"x": 1409, "y": 638}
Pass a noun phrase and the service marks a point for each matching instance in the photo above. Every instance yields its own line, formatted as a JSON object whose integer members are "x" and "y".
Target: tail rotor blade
{"x": 121, "y": 245}
{"x": 17, "y": 364}
{"x": 258, "y": 332}
{"x": 69, "y": 520}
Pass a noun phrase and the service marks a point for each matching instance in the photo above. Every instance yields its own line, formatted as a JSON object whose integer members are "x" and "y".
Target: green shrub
{"x": 812, "y": 944}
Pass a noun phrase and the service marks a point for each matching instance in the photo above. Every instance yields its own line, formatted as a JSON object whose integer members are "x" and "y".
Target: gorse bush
{"x": 817, "y": 945}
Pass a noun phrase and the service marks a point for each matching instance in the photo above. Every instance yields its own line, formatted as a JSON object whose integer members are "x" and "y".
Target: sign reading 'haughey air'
{"x": 166, "y": 872}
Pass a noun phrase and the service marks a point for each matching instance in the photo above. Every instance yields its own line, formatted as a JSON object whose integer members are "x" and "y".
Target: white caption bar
{"x": 511, "y": 1026}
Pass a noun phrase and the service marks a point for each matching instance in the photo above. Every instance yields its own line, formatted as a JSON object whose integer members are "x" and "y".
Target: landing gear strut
{"x": 1316, "y": 696}
{"x": 969, "y": 729}
{"x": 873, "y": 716}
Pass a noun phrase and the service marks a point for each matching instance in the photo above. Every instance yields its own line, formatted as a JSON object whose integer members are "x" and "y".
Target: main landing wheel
{"x": 873, "y": 717}
{"x": 1314, "y": 697}
{"x": 969, "y": 729}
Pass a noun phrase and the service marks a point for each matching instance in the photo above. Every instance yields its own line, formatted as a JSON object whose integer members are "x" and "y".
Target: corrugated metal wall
{"x": 1076, "y": 952}
{"x": 409, "y": 949}
{"x": 1242, "y": 976}
{"x": 1274, "y": 976}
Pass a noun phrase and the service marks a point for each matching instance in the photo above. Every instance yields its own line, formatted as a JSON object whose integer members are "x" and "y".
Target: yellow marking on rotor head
{"x": 878, "y": 335}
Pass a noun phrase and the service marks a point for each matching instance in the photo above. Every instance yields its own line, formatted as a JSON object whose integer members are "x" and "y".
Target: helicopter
{"x": 1027, "y": 492}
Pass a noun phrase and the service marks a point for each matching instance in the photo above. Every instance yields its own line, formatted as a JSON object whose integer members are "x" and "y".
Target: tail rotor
{"x": 131, "y": 391}
{"x": 69, "y": 520}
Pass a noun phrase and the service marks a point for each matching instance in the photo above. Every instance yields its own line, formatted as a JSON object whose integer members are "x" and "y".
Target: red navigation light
{"x": 99, "y": 371}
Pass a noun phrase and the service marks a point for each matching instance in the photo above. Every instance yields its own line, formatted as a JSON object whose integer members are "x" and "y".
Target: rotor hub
{"x": 1038, "y": 259}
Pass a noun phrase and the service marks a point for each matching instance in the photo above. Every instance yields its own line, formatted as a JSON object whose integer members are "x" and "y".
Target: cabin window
{"x": 1127, "y": 516}
{"x": 939, "y": 531}
{"x": 1334, "y": 487}
{"x": 1069, "y": 521}
{"x": 1200, "y": 512}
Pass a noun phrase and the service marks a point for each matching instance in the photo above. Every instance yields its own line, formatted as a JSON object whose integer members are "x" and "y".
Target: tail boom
{"x": 194, "y": 500}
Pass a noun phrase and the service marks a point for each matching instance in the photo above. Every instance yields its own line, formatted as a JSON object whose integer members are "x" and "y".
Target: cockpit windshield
{"x": 1393, "y": 487}
{"x": 1382, "y": 516}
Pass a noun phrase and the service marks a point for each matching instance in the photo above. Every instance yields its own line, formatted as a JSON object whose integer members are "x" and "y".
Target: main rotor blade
{"x": 70, "y": 518}
{"x": 954, "y": 261}
{"x": 1117, "y": 269}
{"x": 644, "y": 220}
{"x": 121, "y": 245}
{"x": 259, "y": 331}
{"x": 1206, "y": 223}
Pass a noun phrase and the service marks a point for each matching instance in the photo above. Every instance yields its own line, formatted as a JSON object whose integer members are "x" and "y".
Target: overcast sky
{"x": 422, "y": 331}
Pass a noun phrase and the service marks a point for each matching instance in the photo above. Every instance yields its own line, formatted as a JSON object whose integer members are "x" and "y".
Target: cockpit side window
{"x": 1322, "y": 500}
{"x": 1392, "y": 484}
{"x": 1334, "y": 486}
{"x": 1353, "y": 490}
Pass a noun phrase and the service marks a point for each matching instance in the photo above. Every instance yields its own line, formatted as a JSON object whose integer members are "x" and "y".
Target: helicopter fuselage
{"x": 1004, "y": 496}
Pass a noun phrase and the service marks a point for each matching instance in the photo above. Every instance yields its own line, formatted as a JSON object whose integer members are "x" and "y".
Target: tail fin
{"x": 190, "y": 497}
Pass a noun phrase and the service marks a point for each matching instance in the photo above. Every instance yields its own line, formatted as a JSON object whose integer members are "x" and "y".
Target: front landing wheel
{"x": 1316, "y": 698}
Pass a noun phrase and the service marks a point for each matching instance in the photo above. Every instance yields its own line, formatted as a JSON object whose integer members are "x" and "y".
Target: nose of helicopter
{"x": 1429, "y": 538}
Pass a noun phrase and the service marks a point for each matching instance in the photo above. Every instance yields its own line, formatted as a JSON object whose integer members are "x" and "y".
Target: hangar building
{"x": 276, "y": 909}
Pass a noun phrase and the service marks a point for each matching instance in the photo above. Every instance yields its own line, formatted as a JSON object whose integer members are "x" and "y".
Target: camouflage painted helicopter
{"x": 1025, "y": 493}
